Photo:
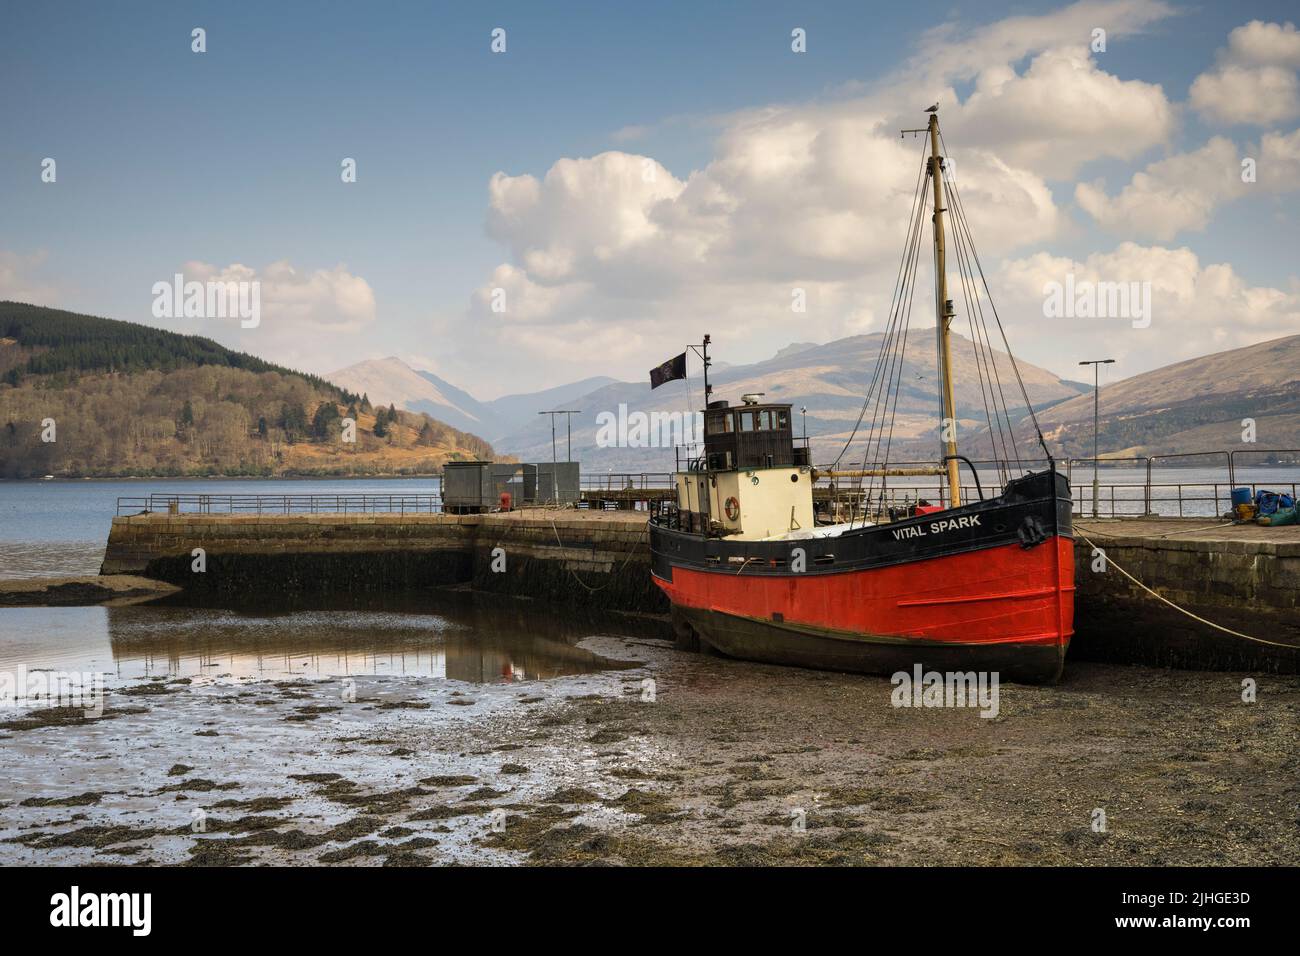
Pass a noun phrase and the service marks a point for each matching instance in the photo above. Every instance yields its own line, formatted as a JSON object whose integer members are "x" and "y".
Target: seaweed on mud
{"x": 210, "y": 852}
{"x": 653, "y": 808}
{"x": 446, "y": 812}
{"x": 311, "y": 712}
{"x": 546, "y": 840}
{"x": 848, "y": 848}
{"x": 448, "y": 780}
{"x": 406, "y": 858}
{"x": 513, "y": 768}
{"x": 572, "y": 795}
{"x": 374, "y": 803}
{"x": 199, "y": 785}
{"x": 96, "y": 835}
{"x": 351, "y": 829}
{"x": 484, "y": 793}
{"x": 631, "y": 773}
{"x": 352, "y": 851}
{"x": 65, "y": 717}
{"x": 80, "y": 800}
{"x": 395, "y": 854}
{"x": 255, "y": 804}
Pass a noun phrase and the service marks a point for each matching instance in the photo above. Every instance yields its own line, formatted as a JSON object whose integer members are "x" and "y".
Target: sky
{"x": 622, "y": 178}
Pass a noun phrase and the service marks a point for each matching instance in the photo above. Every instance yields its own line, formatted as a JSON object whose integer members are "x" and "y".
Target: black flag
{"x": 670, "y": 371}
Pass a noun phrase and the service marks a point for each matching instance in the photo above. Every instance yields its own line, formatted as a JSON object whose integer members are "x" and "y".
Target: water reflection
{"x": 462, "y": 637}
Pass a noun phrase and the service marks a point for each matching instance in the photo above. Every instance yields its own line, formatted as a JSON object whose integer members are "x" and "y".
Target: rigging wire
{"x": 918, "y": 201}
{"x": 1038, "y": 431}
{"x": 877, "y": 417}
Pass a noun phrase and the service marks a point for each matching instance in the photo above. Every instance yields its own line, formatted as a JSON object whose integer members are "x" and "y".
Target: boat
{"x": 755, "y": 569}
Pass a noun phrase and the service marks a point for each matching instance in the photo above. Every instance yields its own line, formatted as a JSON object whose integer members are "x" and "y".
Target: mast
{"x": 704, "y": 354}
{"x": 944, "y": 311}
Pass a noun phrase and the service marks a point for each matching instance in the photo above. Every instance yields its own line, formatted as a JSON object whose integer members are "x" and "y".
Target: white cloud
{"x": 1254, "y": 80}
{"x": 963, "y": 52}
{"x": 1196, "y": 308}
{"x": 1182, "y": 192}
{"x": 1062, "y": 112}
{"x": 310, "y": 319}
{"x": 812, "y": 196}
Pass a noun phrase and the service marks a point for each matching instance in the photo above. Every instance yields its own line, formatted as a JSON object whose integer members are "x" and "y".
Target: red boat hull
{"x": 1004, "y": 608}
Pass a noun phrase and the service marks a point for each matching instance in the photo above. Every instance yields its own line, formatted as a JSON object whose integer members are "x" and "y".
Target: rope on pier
{"x": 622, "y": 567}
{"x": 1183, "y": 610}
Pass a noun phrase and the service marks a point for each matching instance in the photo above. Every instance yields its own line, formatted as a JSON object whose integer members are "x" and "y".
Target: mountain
{"x": 516, "y": 411}
{"x": 1191, "y": 406}
{"x": 1196, "y": 405}
{"x": 392, "y": 381}
{"x": 83, "y": 396}
{"x": 829, "y": 380}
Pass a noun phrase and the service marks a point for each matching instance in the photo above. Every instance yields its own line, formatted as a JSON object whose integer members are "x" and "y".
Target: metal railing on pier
{"x": 627, "y": 481}
{"x": 1210, "y": 497}
{"x": 280, "y": 504}
{"x": 1204, "y": 497}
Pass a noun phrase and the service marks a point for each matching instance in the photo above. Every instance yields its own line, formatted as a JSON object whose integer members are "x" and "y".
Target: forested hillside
{"x": 88, "y": 397}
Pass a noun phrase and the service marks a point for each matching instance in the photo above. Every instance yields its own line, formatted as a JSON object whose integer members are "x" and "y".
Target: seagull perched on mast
{"x": 933, "y": 109}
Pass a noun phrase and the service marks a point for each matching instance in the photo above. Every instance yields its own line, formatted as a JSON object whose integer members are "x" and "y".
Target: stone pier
{"x": 1243, "y": 577}
{"x": 585, "y": 558}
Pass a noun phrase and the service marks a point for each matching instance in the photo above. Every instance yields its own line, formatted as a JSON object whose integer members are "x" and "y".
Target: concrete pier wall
{"x": 1242, "y": 577}
{"x": 582, "y": 558}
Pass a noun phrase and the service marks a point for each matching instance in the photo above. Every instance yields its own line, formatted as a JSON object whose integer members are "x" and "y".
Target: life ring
{"x": 732, "y": 508}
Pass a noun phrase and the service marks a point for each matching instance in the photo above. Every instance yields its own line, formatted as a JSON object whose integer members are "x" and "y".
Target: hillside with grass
{"x": 82, "y": 396}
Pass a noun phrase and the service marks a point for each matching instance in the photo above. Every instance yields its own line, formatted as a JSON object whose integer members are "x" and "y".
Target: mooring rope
{"x": 1183, "y": 610}
{"x": 622, "y": 567}
{"x": 1168, "y": 534}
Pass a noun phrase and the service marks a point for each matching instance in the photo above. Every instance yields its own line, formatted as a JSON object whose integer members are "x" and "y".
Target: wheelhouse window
{"x": 717, "y": 423}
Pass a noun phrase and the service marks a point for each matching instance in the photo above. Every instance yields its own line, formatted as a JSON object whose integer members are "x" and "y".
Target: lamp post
{"x": 1096, "y": 402}
{"x": 568, "y": 421}
{"x": 568, "y": 414}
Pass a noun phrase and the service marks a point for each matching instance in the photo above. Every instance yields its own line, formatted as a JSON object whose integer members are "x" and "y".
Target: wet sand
{"x": 113, "y": 590}
{"x": 719, "y": 767}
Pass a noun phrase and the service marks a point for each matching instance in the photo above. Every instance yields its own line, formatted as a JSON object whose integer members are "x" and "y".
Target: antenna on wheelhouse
{"x": 702, "y": 350}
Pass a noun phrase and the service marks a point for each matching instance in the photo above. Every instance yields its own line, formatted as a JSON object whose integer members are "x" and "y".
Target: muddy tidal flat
{"x": 654, "y": 757}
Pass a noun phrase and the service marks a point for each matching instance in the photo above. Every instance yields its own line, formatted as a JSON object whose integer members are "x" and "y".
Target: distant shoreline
{"x": 36, "y": 481}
